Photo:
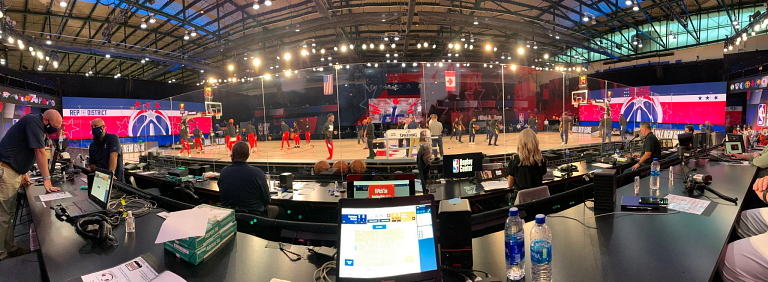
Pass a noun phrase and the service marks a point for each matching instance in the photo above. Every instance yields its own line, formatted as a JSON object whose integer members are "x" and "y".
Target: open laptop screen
{"x": 102, "y": 182}
{"x": 386, "y": 241}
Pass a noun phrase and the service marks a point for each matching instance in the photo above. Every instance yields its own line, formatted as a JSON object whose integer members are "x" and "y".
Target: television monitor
{"x": 608, "y": 148}
{"x": 388, "y": 239}
{"x": 381, "y": 185}
{"x": 699, "y": 141}
{"x": 666, "y": 143}
{"x": 734, "y": 137}
{"x": 54, "y": 159}
{"x": 462, "y": 165}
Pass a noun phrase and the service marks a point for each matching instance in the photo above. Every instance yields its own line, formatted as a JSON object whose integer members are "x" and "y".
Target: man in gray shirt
{"x": 623, "y": 125}
{"x": 710, "y": 133}
{"x": 565, "y": 128}
{"x": 607, "y": 127}
{"x": 436, "y": 130}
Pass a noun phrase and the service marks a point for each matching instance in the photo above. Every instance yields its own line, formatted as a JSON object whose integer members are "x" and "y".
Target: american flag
{"x": 328, "y": 84}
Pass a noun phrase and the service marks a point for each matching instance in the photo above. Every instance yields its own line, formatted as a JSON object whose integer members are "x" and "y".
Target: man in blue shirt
{"x": 105, "y": 151}
{"x": 242, "y": 186}
{"x": 22, "y": 145}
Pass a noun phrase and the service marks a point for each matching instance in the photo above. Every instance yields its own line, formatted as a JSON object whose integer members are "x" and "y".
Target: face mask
{"x": 97, "y": 132}
{"x": 49, "y": 129}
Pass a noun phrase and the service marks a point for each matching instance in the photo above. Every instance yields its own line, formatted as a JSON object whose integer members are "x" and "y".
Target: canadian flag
{"x": 450, "y": 81}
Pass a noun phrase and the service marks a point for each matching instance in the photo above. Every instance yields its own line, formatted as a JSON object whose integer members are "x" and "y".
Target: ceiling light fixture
{"x": 268, "y": 3}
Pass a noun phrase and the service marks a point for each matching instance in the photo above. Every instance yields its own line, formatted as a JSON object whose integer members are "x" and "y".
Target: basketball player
{"x": 286, "y": 135}
{"x": 231, "y": 134}
{"x": 472, "y": 127}
{"x": 493, "y": 124}
{"x": 250, "y": 130}
{"x": 307, "y": 131}
{"x": 239, "y": 132}
{"x": 198, "y": 134}
{"x": 184, "y": 136}
{"x": 296, "y": 138}
{"x": 328, "y": 132}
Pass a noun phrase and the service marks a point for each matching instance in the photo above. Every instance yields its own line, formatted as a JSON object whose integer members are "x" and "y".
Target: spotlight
{"x": 387, "y": 55}
{"x": 440, "y": 64}
{"x": 396, "y": 55}
{"x": 193, "y": 33}
{"x": 151, "y": 18}
{"x": 635, "y": 7}
{"x": 63, "y": 3}
{"x": 628, "y": 2}
{"x": 55, "y": 64}
{"x": 186, "y": 36}
{"x": 287, "y": 56}
{"x": 381, "y": 46}
{"x": 457, "y": 46}
{"x": 393, "y": 45}
{"x": 403, "y": 65}
{"x": 471, "y": 47}
{"x": 287, "y": 73}
{"x": 365, "y": 46}
{"x": 10, "y": 39}
{"x": 418, "y": 45}
{"x": 268, "y": 3}
{"x": 434, "y": 46}
{"x": 376, "y": 65}
{"x": 314, "y": 51}
{"x": 322, "y": 51}
{"x": 586, "y": 18}
{"x": 730, "y": 47}
{"x": 513, "y": 67}
{"x": 335, "y": 48}
{"x": 231, "y": 67}
{"x": 414, "y": 64}
{"x": 494, "y": 48}
{"x": 256, "y": 62}
{"x": 397, "y": 38}
{"x": 520, "y": 50}
{"x": 488, "y": 47}
{"x": 475, "y": 23}
{"x": 370, "y": 45}
{"x": 143, "y": 24}
{"x": 546, "y": 56}
{"x": 21, "y": 44}
{"x": 450, "y": 45}
{"x": 256, "y": 5}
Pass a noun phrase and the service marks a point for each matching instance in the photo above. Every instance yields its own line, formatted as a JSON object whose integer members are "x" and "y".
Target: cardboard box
{"x": 220, "y": 218}
{"x": 197, "y": 255}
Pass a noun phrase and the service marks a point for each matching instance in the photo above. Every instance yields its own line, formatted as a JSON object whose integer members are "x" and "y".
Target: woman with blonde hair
{"x": 527, "y": 168}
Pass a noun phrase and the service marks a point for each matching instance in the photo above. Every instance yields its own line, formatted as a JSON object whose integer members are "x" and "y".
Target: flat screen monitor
{"x": 608, "y": 148}
{"x": 381, "y": 185}
{"x": 387, "y": 239}
{"x": 462, "y": 165}
{"x": 734, "y": 147}
{"x": 54, "y": 159}
{"x": 734, "y": 137}
{"x": 699, "y": 141}
{"x": 101, "y": 188}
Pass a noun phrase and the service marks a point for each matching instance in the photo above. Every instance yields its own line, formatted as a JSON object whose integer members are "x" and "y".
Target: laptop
{"x": 98, "y": 196}
{"x": 388, "y": 239}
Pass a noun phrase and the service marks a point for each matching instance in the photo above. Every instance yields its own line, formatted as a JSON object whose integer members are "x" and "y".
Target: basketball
{"x": 322, "y": 166}
{"x": 341, "y": 167}
{"x": 357, "y": 167}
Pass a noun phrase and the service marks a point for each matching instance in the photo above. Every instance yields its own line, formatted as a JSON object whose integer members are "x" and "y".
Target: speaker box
{"x": 455, "y": 237}
{"x": 605, "y": 189}
{"x": 195, "y": 170}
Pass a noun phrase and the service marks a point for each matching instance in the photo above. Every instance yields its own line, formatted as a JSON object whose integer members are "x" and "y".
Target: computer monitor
{"x": 391, "y": 239}
{"x": 734, "y": 137}
{"x": 734, "y": 147}
{"x": 462, "y": 165}
{"x": 54, "y": 159}
{"x": 381, "y": 185}
{"x": 608, "y": 148}
{"x": 101, "y": 188}
{"x": 699, "y": 141}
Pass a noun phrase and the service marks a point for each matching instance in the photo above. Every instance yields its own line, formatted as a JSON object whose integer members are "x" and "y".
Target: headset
{"x": 96, "y": 228}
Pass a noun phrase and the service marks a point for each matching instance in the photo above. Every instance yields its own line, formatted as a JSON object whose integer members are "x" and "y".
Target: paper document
{"x": 687, "y": 204}
{"x": 745, "y": 163}
{"x": 55, "y": 196}
{"x": 495, "y": 185}
{"x": 168, "y": 276}
{"x": 183, "y": 224}
{"x": 135, "y": 270}
{"x": 602, "y": 165}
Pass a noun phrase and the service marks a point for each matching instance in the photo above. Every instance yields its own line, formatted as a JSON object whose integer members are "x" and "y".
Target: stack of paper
{"x": 196, "y": 233}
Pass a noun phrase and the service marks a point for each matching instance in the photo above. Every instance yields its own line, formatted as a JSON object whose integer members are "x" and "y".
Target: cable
{"x": 610, "y": 213}
{"x": 321, "y": 274}
{"x": 287, "y": 253}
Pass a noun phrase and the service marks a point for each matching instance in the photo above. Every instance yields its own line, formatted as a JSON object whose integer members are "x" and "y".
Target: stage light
{"x": 425, "y": 44}
{"x": 256, "y": 62}
{"x": 267, "y": 76}
{"x": 440, "y": 64}
{"x": 1, "y": 14}
{"x": 335, "y": 48}
{"x": 63, "y": 3}
{"x": 55, "y": 64}
{"x": 485, "y": 65}
{"x": 494, "y": 48}
{"x": 744, "y": 35}
{"x": 387, "y": 55}
{"x": 193, "y": 33}
{"x": 393, "y": 45}
{"x": 520, "y": 50}
{"x": 143, "y": 24}
{"x": 395, "y": 60}
{"x": 389, "y": 61}
{"x": 396, "y": 55}
{"x": 304, "y": 53}
{"x": 434, "y": 46}
{"x": 475, "y": 23}
{"x": 322, "y": 51}
{"x": 414, "y": 64}
{"x": 231, "y": 67}
{"x": 381, "y": 46}
{"x": 397, "y": 38}
{"x": 351, "y": 47}
{"x": 725, "y": 49}
{"x": 488, "y": 47}
{"x": 10, "y": 39}
{"x": 107, "y": 56}
{"x": 368, "y": 64}
{"x": 457, "y": 46}
{"x": 513, "y": 67}
{"x": 370, "y": 45}
{"x": 268, "y": 3}
{"x": 31, "y": 49}
{"x": 586, "y": 18}
{"x": 47, "y": 58}
{"x": 449, "y": 54}
{"x": 403, "y": 65}
{"x": 347, "y": 67}
{"x": 418, "y": 45}
{"x": 256, "y": 5}
{"x": 450, "y": 45}
{"x": 287, "y": 56}
{"x": 287, "y": 73}
{"x": 635, "y": 7}
{"x": 456, "y": 55}
{"x": 427, "y": 64}
{"x": 365, "y": 46}
{"x": 471, "y": 47}
{"x": 376, "y": 65}
{"x": 546, "y": 56}
{"x": 457, "y": 65}
{"x": 386, "y": 38}
{"x": 21, "y": 44}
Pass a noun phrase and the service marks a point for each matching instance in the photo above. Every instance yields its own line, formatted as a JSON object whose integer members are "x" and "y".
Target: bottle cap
{"x": 130, "y": 213}
{"x": 655, "y": 159}
{"x": 540, "y": 219}
{"x": 512, "y": 211}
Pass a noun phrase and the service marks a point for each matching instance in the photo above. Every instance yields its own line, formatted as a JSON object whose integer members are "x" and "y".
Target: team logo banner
{"x": 129, "y": 117}
{"x": 761, "y": 114}
{"x": 393, "y": 110}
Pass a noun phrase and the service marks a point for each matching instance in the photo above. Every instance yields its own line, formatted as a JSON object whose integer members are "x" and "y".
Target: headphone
{"x": 95, "y": 228}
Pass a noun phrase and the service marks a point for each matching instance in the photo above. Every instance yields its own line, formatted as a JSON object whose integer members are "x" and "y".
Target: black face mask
{"x": 97, "y": 133}
{"x": 49, "y": 129}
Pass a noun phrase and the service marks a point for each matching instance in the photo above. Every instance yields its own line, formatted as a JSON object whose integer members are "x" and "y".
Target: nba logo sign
{"x": 761, "y": 114}
{"x": 456, "y": 164}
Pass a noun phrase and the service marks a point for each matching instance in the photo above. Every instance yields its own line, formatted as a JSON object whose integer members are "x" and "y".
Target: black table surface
{"x": 635, "y": 247}
{"x": 66, "y": 254}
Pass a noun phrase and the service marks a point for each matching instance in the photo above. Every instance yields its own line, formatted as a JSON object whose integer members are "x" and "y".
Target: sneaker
{"x": 189, "y": 155}
{"x": 562, "y": 144}
{"x": 178, "y": 155}
{"x": 370, "y": 158}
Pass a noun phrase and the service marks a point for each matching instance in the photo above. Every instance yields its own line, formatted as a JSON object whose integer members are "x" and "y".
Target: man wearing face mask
{"x": 105, "y": 151}
{"x": 22, "y": 145}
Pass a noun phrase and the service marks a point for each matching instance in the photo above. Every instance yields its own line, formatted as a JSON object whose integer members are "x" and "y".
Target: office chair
{"x": 532, "y": 194}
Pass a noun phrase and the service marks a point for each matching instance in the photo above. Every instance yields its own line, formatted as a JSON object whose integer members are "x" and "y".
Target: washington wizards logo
{"x": 149, "y": 122}
{"x": 643, "y": 108}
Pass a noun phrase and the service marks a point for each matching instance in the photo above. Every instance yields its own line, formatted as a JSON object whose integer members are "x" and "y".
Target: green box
{"x": 216, "y": 222}
{"x": 197, "y": 255}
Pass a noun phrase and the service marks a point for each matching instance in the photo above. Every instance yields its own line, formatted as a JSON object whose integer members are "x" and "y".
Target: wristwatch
{"x": 46, "y": 177}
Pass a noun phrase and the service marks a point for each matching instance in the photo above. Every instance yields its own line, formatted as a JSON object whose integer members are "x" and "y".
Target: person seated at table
{"x": 689, "y": 129}
{"x": 651, "y": 147}
{"x": 527, "y": 168}
{"x": 105, "y": 151}
{"x": 747, "y": 259}
{"x": 242, "y": 186}
{"x": 756, "y": 159}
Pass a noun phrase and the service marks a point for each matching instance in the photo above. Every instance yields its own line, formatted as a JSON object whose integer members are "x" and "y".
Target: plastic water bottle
{"x": 514, "y": 243}
{"x": 617, "y": 153}
{"x": 655, "y": 173}
{"x": 130, "y": 223}
{"x": 541, "y": 250}
{"x": 637, "y": 185}
{"x": 567, "y": 154}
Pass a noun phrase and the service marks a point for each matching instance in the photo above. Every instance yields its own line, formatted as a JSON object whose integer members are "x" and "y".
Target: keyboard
{"x": 721, "y": 157}
{"x": 85, "y": 205}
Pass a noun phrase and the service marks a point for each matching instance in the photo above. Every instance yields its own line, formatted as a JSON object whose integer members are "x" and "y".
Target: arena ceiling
{"x": 187, "y": 41}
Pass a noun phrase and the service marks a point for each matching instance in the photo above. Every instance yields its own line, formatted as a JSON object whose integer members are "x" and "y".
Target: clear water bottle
{"x": 130, "y": 223}
{"x": 637, "y": 185}
{"x": 541, "y": 250}
{"x": 655, "y": 173}
{"x": 514, "y": 243}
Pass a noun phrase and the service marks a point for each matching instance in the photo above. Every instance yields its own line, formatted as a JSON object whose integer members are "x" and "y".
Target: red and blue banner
{"x": 130, "y": 117}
